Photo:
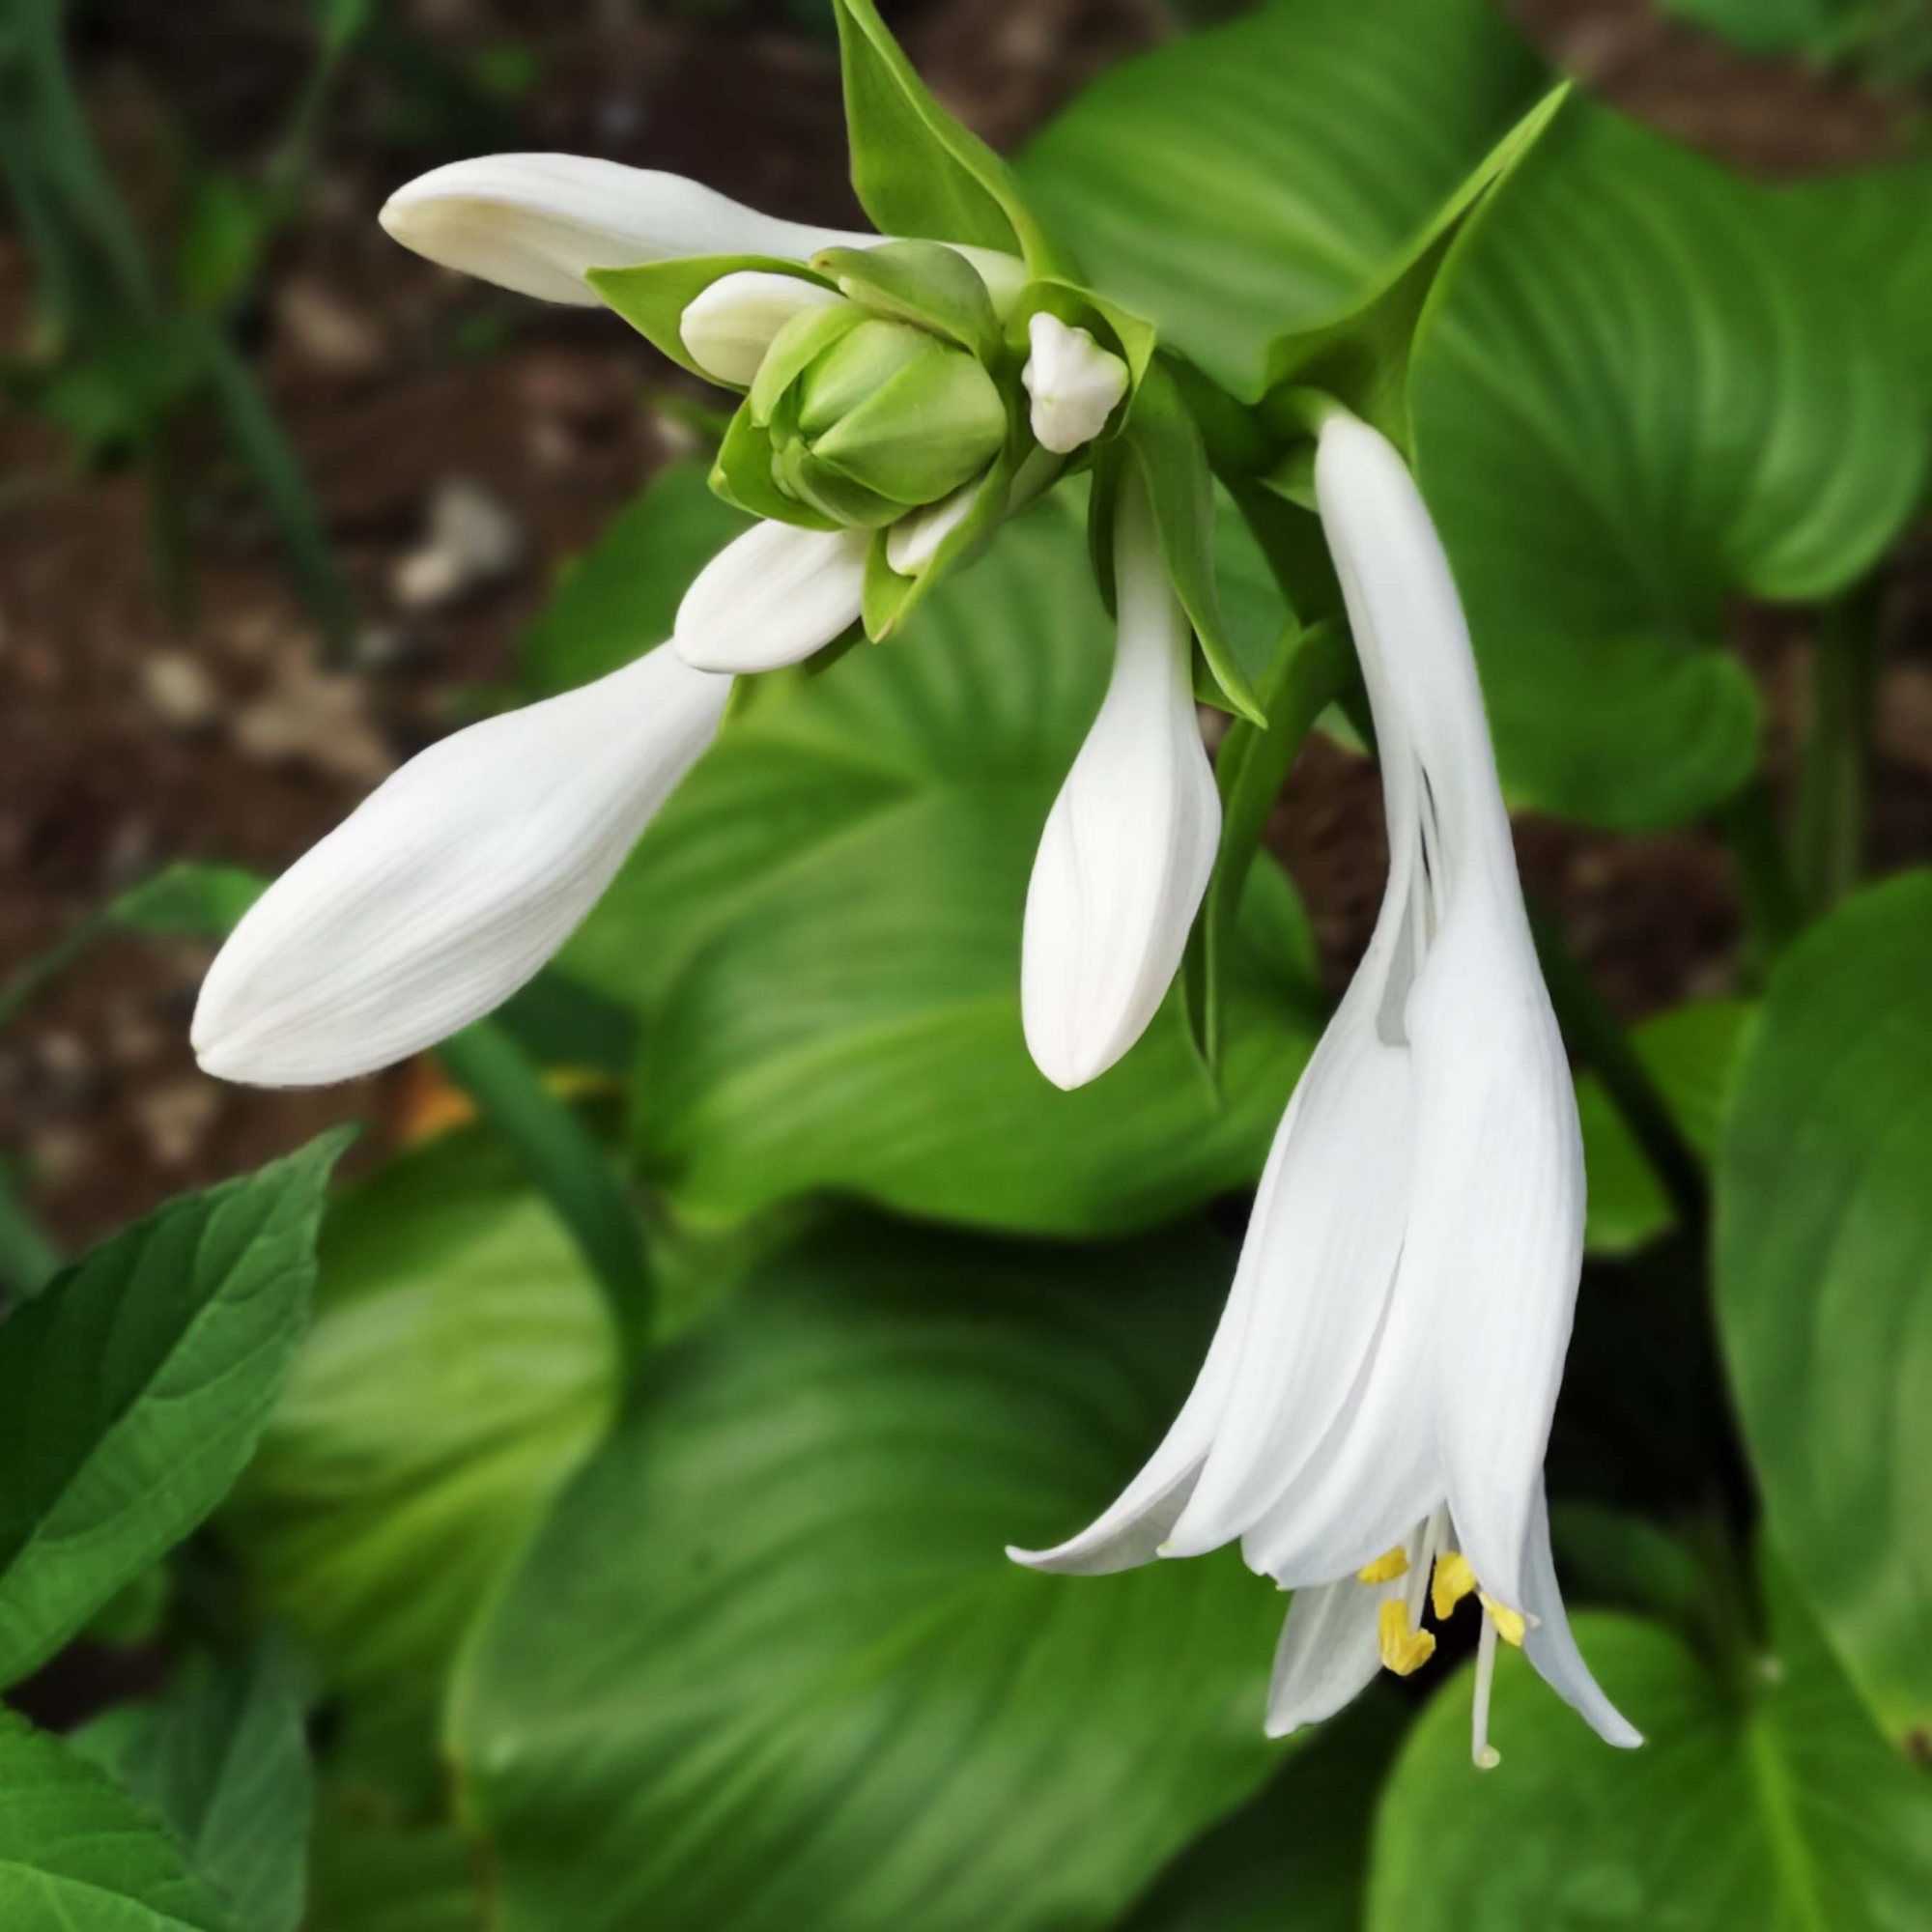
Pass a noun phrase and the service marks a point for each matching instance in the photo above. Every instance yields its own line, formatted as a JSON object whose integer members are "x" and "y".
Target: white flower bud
{"x": 728, "y": 327}
{"x": 1075, "y": 384}
{"x": 771, "y": 597}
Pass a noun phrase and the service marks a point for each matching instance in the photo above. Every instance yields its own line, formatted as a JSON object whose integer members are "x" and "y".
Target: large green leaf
{"x": 77, "y": 1855}
{"x": 766, "y": 1665}
{"x": 132, "y": 1390}
{"x": 460, "y": 1365}
{"x": 1825, "y": 1280}
{"x": 220, "y": 1756}
{"x": 1273, "y": 175}
{"x": 1765, "y": 1800}
{"x": 1638, "y": 395}
{"x": 1296, "y": 1854}
{"x": 822, "y": 933}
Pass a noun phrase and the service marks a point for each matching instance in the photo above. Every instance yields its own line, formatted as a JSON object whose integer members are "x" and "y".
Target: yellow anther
{"x": 1508, "y": 1623}
{"x": 1452, "y": 1581}
{"x": 1404, "y": 1649}
{"x": 1386, "y": 1568}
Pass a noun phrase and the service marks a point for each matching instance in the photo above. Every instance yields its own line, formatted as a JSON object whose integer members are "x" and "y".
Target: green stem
{"x": 1603, "y": 1045}
{"x": 1838, "y": 755}
{"x": 566, "y": 1163}
{"x": 1773, "y": 911}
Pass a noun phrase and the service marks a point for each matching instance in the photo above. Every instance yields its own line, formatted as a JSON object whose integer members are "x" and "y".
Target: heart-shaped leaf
{"x": 1825, "y": 1280}
{"x": 1635, "y": 397}
{"x": 1763, "y": 1799}
{"x": 460, "y": 1365}
{"x": 767, "y": 1664}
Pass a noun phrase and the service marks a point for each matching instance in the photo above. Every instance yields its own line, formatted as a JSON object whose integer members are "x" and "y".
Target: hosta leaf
{"x": 822, "y": 935}
{"x": 1636, "y": 396}
{"x": 460, "y": 1365}
{"x": 221, "y": 1758}
{"x": 132, "y": 1390}
{"x": 1825, "y": 1280}
{"x": 78, "y": 1855}
{"x": 767, "y": 1666}
{"x": 373, "y": 1872}
{"x": 1768, "y": 1801}
{"x": 1273, "y": 175}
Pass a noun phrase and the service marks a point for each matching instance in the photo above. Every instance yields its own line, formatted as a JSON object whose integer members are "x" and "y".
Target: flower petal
{"x": 771, "y": 597}
{"x": 1130, "y": 841}
{"x": 1552, "y": 1650}
{"x": 1330, "y": 1646}
{"x": 538, "y": 223}
{"x": 729, "y": 326}
{"x": 1327, "y": 1654}
{"x": 913, "y": 542}
{"x": 448, "y": 887}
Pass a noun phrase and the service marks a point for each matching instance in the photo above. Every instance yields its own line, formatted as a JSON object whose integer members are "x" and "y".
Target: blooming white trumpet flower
{"x": 453, "y": 882}
{"x": 1074, "y": 384}
{"x": 1373, "y": 1412}
{"x": 1130, "y": 845}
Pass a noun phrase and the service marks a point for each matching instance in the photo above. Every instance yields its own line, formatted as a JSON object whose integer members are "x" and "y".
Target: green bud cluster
{"x": 865, "y": 409}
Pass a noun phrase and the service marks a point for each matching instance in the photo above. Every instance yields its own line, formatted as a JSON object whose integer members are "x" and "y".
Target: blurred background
{"x": 276, "y": 498}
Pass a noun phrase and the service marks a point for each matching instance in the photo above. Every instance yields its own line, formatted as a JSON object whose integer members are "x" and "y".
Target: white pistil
{"x": 1482, "y": 1752}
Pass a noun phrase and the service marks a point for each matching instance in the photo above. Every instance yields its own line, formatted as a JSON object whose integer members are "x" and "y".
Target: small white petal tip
{"x": 1075, "y": 384}
{"x": 729, "y": 325}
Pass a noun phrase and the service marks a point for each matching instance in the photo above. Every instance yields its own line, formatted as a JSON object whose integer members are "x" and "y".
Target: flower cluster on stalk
{"x": 1371, "y": 1419}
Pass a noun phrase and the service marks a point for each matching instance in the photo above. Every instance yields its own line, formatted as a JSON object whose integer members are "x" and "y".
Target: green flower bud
{"x": 919, "y": 435}
{"x": 867, "y": 417}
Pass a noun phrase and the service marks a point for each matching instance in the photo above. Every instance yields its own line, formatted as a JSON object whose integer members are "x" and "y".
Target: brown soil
{"x": 128, "y": 737}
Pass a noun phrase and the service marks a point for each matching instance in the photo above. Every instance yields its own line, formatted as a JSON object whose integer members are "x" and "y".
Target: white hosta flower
{"x": 771, "y": 597}
{"x": 539, "y": 223}
{"x": 1075, "y": 384}
{"x": 729, "y": 326}
{"x": 1130, "y": 841}
{"x": 1373, "y": 1412}
{"x": 453, "y": 882}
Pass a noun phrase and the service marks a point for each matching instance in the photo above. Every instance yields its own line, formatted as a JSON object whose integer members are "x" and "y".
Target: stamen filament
{"x": 1482, "y": 1752}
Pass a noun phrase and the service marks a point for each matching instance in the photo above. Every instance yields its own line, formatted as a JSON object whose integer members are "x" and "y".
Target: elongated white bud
{"x": 1075, "y": 384}
{"x": 538, "y": 223}
{"x": 772, "y": 597}
{"x": 453, "y": 882}
{"x": 1130, "y": 845}
{"x": 728, "y": 327}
